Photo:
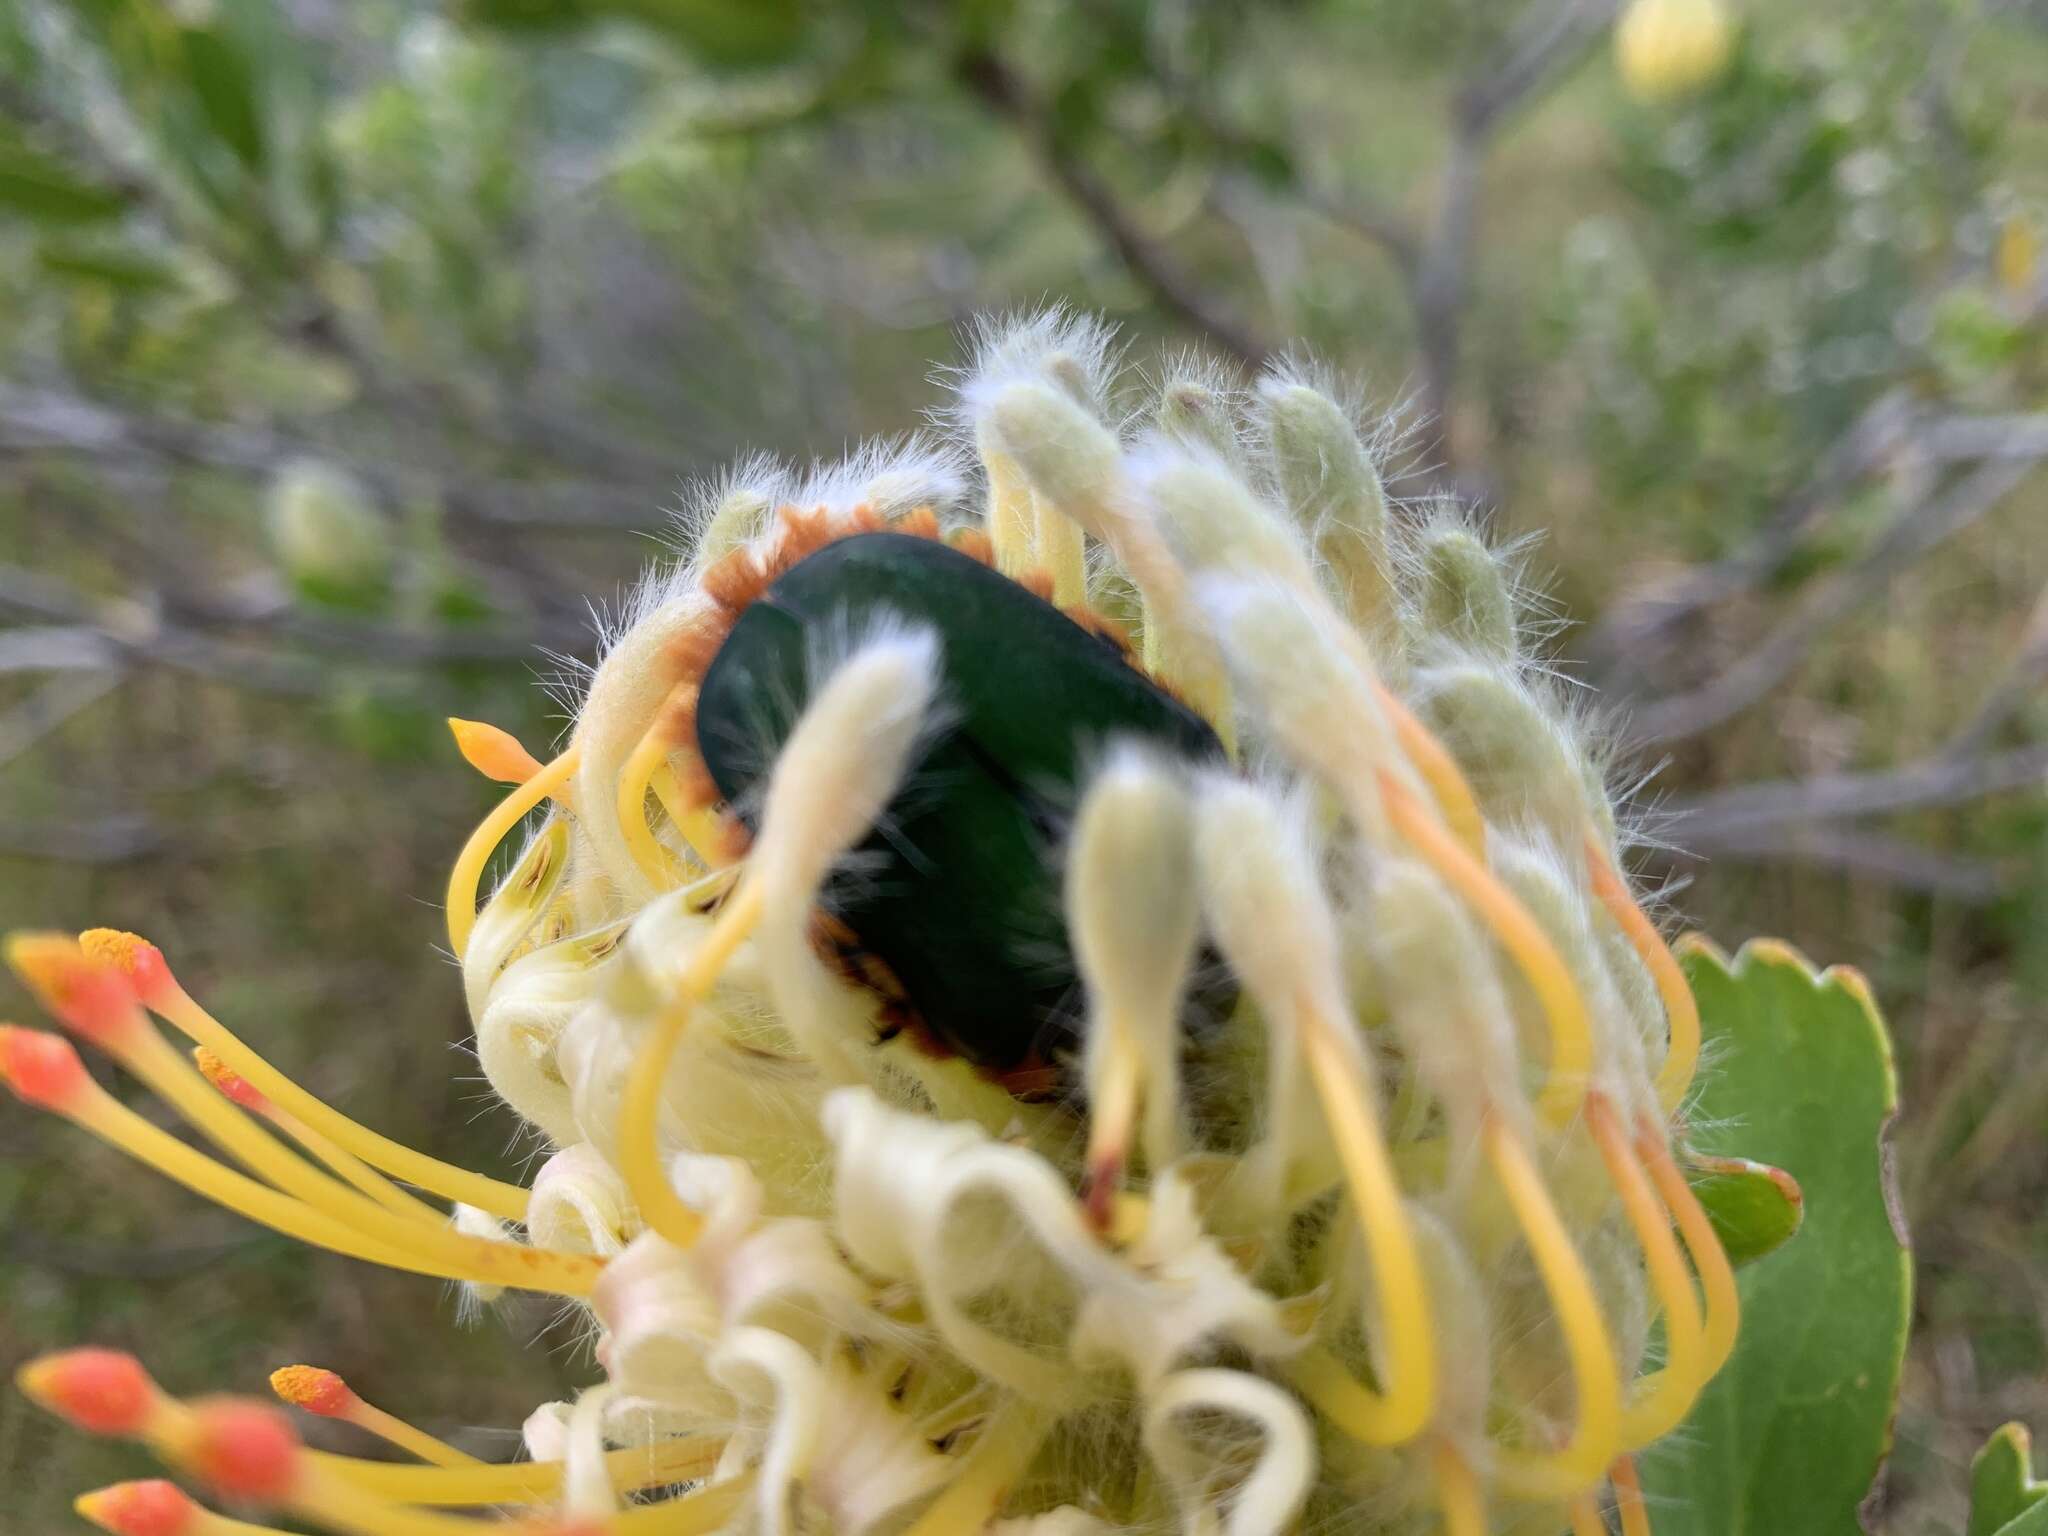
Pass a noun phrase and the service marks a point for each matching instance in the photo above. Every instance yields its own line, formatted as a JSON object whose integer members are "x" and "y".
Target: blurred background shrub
{"x": 350, "y": 349}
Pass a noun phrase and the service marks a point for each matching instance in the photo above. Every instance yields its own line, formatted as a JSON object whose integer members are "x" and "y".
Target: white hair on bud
{"x": 720, "y": 512}
{"x": 475, "y": 1295}
{"x": 1199, "y": 399}
{"x": 841, "y": 765}
{"x": 1391, "y": 433}
{"x": 891, "y": 476}
{"x": 1445, "y": 997}
{"x": 845, "y": 759}
{"x": 1552, "y": 886}
{"x": 1517, "y": 747}
{"x": 1315, "y": 702}
{"x": 1128, "y": 886}
{"x": 1060, "y": 446}
{"x": 1534, "y": 616}
{"x": 1131, "y": 908}
{"x": 1211, "y": 518}
{"x": 1078, "y": 352}
{"x": 1262, "y": 891}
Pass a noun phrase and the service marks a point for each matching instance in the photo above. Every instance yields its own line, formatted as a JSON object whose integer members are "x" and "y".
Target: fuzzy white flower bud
{"x": 1215, "y": 522}
{"x": 1132, "y": 912}
{"x": 1069, "y": 456}
{"x": 1331, "y": 484}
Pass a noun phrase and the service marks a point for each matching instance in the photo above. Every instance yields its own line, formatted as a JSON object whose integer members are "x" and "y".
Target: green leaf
{"x": 44, "y": 188}
{"x": 723, "y": 35}
{"x": 719, "y": 34}
{"x": 110, "y": 267}
{"x": 1790, "y": 1436}
{"x": 225, "y": 86}
{"x": 2002, "y": 1487}
{"x": 1754, "y": 1207}
{"x": 2032, "y": 1523}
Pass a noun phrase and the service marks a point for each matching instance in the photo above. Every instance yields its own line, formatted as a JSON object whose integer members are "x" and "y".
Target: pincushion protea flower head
{"x": 1089, "y": 992}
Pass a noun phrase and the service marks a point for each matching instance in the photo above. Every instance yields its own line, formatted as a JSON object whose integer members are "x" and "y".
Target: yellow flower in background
{"x": 1670, "y": 48}
{"x": 2016, "y": 259}
{"x": 1075, "y": 979}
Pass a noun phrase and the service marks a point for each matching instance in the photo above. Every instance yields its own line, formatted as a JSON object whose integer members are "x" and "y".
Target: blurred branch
{"x": 1938, "y": 780}
{"x": 141, "y": 630}
{"x": 56, "y": 648}
{"x": 1541, "y": 52}
{"x": 1861, "y": 851}
{"x": 42, "y": 421}
{"x": 2017, "y": 436}
{"x": 1800, "y": 820}
{"x": 2021, "y": 682}
{"x": 50, "y": 706}
{"x": 1645, "y": 622}
{"x": 992, "y": 82}
{"x": 1922, "y": 525}
{"x": 1538, "y": 57}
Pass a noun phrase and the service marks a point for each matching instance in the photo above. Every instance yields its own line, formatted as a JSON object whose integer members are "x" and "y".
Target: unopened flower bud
{"x": 1069, "y": 456}
{"x": 1198, "y": 414}
{"x": 1333, "y": 488}
{"x": 325, "y": 532}
{"x": 1466, "y": 599}
{"x": 1670, "y": 48}
{"x": 1214, "y": 521}
{"x": 1523, "y": 764}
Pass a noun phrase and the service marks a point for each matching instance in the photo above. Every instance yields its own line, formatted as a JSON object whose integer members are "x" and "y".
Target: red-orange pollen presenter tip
{"x": 40, "y": 1068}
{"x": 152, "y": 1507}
{"x": 313, "y": 1389}
{"x": 102, "y": 1391}
{"x": 240, "y": 1449}
{"x": 87, "y": 996}
{"x": 232, "y": 1085}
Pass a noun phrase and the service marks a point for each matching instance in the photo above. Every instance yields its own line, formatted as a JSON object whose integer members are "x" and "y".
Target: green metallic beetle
{"x": 956, "y": 892}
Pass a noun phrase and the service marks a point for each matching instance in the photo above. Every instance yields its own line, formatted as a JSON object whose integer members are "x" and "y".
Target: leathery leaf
{"x": 1791, "y": 1434}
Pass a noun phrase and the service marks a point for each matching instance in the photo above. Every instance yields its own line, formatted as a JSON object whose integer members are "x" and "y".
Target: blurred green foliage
{"x": 510, "y": 272}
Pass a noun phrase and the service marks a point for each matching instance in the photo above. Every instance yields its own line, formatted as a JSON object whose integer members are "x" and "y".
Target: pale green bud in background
{"x": 327, "y": 535}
